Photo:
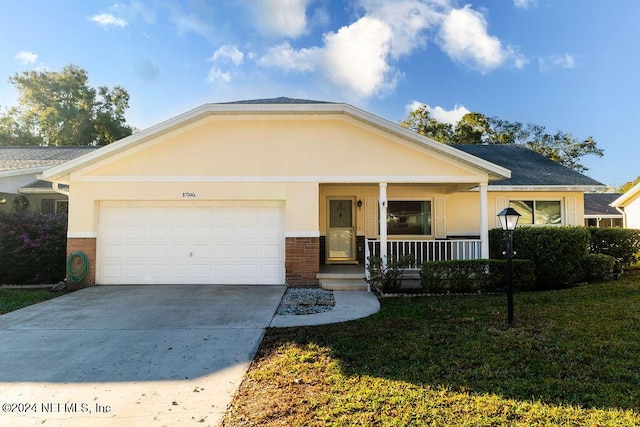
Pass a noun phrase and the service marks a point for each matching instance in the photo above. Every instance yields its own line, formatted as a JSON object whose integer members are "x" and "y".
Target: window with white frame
{"x": 409, "y": 218}
{"x": 50, "y": 206}
{"x": 538, "y": 212}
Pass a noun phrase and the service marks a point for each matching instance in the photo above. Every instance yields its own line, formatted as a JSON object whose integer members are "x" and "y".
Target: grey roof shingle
{"x": 528, "y": 168}
{"x": 280, "y": 100}
{"x": 19, "y": 158}
{"x": 599, "y": 204}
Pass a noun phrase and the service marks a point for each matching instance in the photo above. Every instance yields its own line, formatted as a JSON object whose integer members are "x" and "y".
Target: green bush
{"x": 464, "y": 276}
{"x": 33, "y": 247}
{"x": 598, "y": 267}
{"x": 557, "y": 252}
{"x": 386, "y": 279}
{"x": 623, "y": 244}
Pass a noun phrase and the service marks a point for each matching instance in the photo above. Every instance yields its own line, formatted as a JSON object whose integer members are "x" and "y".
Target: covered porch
{"x": 418, "y": 223}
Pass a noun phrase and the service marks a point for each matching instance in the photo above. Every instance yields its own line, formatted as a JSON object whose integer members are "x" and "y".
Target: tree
{"x": 420, "y": 121}
{"x": 60, "y": 108}
{"x": 628, "y": 185}
{"x": 476, "y": 128}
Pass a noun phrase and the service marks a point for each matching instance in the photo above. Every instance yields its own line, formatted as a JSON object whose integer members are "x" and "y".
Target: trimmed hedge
{"x": 557, "y": 252}
{"x": 598, "y": 267}
{"x": 623, "y": 244}
{"x": 464, "y": 276}
{"x": 33, "y": 248}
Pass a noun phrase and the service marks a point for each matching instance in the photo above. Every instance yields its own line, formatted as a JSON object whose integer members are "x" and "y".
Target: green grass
{"x": 572, "y": 358}
{"x": 14, "y": 299}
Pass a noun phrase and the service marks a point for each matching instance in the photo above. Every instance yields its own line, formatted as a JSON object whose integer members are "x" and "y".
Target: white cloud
{"x": 106, "y": 19}
{"x": 25, "y": 58}
{"x": 360, "y": 56}
{"x": 556, "y": 61}
{"x": 285, "y": 57}
{"x": 464, "y": 37}
{"x": 525, "y": 4}
{"x": 408, "y": 20}
{"x": 281, "y": 18}
{"x": 217, "y": 75}
{"x": 356, "y": 57}
{"x": 228, "y": 53}
{"x": 451, "y": 117}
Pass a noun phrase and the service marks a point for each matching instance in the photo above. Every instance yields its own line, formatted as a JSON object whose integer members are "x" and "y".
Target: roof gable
{"x": 273, "y": 108}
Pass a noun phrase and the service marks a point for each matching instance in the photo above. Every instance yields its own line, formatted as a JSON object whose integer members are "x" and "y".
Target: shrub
{"x": 387, "y": 279}
{"x": 623, "y": 244}
{"x": 557, "y": 252}
{"x": 464, "y": 276}
{"x": 33, "y": 247}
{"x": 598, "y": 267}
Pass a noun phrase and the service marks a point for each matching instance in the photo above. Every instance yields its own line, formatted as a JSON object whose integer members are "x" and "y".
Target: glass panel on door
{"x": 340, "y": 235}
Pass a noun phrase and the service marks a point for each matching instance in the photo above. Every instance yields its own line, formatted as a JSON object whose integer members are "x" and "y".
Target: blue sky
{"x": 570, "y": 65}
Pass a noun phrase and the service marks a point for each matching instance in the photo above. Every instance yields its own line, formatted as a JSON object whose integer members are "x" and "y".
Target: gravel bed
{"x": 305, "y": 301}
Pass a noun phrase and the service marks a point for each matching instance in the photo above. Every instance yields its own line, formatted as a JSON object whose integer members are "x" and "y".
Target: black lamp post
{"x": 509, "y": 220}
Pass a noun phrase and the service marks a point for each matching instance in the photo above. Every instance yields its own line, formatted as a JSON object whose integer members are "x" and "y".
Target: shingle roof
{"x": 280, "y": 100}
{"x": 528, "y": 168}
{"x": 596, "y": 204}
{"x": 18, "y": 158}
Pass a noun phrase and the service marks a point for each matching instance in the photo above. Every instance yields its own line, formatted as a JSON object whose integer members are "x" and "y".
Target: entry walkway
{"x": 350, "y": 305}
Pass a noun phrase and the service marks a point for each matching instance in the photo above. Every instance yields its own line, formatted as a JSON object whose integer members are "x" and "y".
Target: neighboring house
{"x": 19, "y": 186}
{"x": 598, "y": 211}
{"x": 270, "y": 191}
{"x": 629, "y": 203}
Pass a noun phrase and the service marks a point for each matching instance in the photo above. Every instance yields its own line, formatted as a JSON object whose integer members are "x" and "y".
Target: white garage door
{"x": 191, "y": 243}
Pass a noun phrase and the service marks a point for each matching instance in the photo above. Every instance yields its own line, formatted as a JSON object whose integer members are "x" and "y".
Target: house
{"x": 629, "y": 203}
{"x": 598, "y": 211}
{"x": 272, "y": 191}
{"x": 19, "y": 186}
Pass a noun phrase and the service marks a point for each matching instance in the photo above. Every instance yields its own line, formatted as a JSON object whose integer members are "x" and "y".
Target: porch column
{"x": 484, "y": 222}
{"x": 383, "y": 222}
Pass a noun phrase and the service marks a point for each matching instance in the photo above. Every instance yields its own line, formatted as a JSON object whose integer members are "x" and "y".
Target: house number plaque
{"x": 188, "y": 195}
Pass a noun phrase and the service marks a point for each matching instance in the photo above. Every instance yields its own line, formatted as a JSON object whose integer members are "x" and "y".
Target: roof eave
{"x": 560, "y": 188}
{"x": 632, "y": 192}
{"x": 18, "y": 172}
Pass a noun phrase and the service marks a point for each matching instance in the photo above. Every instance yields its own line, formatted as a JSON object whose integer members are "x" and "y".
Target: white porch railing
{"x": 426, "y": 250}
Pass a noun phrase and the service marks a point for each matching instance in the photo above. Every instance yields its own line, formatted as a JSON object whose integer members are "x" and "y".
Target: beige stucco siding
{"x": 300, "y": 199}
{"x": 462, "y": 209}
{"x": 271, "y": 147}
{"x": 632, "y": 213}
{"x": 261, "y": 157}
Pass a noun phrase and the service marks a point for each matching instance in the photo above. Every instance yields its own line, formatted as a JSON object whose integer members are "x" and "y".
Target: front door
{"x": 341, "y": 235}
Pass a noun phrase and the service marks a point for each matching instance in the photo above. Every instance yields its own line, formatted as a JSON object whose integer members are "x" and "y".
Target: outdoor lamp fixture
{"x": 509, "y": 220}
{"x": 359, "y": 204}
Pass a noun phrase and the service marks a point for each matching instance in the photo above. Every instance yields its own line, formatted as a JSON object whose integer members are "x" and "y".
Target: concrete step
{"x": 342, "y": 281}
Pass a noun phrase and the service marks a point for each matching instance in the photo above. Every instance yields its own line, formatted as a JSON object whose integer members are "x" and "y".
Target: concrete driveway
{"x": 131, "y": 355}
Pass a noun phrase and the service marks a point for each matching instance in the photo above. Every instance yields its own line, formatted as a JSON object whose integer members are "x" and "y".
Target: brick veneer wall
{"x": 88, "y": 246}
{"x": 302, "y": 261}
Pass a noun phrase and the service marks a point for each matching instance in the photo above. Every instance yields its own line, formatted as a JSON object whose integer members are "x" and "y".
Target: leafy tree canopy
{"x": 60, "y": 108}
{"x": 628, "y": 185}
{"x": 476, "y": 128}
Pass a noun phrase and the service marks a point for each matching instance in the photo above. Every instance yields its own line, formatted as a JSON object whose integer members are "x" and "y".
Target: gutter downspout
{"x": 57, "y": 189}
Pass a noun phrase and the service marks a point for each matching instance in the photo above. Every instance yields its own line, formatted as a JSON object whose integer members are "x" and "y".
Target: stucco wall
{"x": 462, "y": 209}
{"x": 632, "y": 213}
{"x": 280, "y": 146}
{"x": 257, "y": 158}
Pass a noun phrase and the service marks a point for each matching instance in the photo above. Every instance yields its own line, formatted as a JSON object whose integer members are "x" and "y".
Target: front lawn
{"x": 13, "y": 299}
{"x": 573, "y": 358}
